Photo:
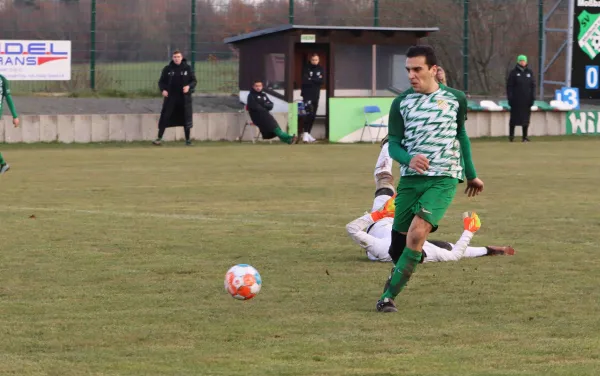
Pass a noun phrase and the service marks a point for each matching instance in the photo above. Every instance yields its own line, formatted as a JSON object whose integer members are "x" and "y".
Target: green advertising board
{"x": 292, "y": 118}
{"x": 347, "y": 119}
{"x": 583, "y": 122}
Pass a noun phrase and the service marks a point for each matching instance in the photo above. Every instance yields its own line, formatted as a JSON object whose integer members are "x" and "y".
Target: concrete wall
{"x": 124, "y": 127}
{"x": 216, "y": 126}
{"x": 494, "y": 124}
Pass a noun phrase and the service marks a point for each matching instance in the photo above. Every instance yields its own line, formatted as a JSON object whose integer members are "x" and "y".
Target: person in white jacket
{"x": 373, "y": 231}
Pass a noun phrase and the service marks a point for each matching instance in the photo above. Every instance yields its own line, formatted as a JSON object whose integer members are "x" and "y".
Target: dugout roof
{"x": 419, "y": 32}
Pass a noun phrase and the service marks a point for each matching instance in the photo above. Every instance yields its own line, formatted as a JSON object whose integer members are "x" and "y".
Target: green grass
{"x": 133, "y": 79}
{"x": 121, "y": 270}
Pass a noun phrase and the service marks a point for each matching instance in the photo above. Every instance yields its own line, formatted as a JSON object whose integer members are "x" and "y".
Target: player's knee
{"x": 384, "y": 192}
{"x": 419, "y": 229}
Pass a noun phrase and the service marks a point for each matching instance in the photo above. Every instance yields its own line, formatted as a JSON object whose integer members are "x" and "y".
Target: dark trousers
{"x": 309, "y": 119}
{"x": 161, "y": 132}
{"x": 511, "y": 131}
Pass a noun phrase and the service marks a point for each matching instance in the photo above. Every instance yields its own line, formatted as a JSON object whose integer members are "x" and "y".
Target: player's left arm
{"x": 471, "y": 223}
{"x": 193, "y": 80}
{"x": 474, "y": 184}
{"x": 9, "y": 101}
{"x": 268, "y": 104}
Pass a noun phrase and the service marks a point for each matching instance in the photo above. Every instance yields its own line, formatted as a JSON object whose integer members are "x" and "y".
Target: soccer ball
{"x": 242, "y": 282}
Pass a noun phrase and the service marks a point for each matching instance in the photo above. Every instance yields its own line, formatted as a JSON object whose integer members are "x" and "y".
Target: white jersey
{"x": 376, "y": 237}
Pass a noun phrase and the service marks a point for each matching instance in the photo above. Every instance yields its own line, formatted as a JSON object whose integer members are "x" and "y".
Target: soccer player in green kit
{"x": 427, "y": 136}
{"x": 5, "y": 94}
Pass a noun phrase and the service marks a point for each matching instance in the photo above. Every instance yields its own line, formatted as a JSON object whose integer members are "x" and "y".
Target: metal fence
{"x": 120, "y": 46}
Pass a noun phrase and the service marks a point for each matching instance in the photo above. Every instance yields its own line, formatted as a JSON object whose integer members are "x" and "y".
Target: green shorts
{"x": 426, "y": 196}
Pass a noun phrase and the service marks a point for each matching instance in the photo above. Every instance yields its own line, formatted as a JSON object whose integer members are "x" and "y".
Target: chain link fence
{"x": 119, "y": 46}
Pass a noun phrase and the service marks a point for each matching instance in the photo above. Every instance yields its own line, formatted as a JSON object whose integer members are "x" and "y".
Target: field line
{"x": 185, "y": 217}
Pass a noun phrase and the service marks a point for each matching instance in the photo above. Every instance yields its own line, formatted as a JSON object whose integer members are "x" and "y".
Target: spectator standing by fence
{"x": 520, "y": 92}
{"x": 177, "y": 82}
{"x": 5, "y": 94}
{"x": 312, "y": 79}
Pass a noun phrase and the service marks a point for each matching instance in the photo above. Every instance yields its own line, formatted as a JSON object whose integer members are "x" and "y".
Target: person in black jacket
{"x": 312, "y": 79}
{"x": 259, "y": 106}
{"x": 177, "y": 82}
{"x": 520, "y": 92}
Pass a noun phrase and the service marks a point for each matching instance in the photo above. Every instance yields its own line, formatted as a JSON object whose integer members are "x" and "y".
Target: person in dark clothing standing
{"x": 520, "y": 92}
{"x": 312, "y": 79}
{"x": 259, "y": 106}
{"x": 177, "y": 82}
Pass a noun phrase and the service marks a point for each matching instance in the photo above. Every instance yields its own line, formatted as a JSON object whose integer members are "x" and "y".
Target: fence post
{"x": 93, "y": 46}
{"x": 376, "y": 13}
{"x": 193, "y": 35}
{"x": 466, "y": 46}
{"x": 291, "y": 12}
{"x": 541, "y": 52}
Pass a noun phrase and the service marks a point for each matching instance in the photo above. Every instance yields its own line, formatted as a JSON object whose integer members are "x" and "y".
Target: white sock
{"x": 475, "y": 252}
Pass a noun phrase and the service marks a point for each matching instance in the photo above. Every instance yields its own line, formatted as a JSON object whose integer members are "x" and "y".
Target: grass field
{"x": 134, "y": 78}
{"x": 121, "y": 270}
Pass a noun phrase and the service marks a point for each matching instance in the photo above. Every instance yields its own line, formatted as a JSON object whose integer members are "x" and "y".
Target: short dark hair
{"x": 177, "y": 52}
{"x": 257, "y": 80}
{"x": 423, "y": 50}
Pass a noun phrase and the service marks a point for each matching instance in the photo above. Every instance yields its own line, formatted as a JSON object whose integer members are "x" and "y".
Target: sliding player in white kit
{"x": 373, "y": 231}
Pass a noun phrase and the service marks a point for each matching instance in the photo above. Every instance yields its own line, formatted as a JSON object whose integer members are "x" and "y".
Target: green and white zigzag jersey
{"x": 431, "y": 124}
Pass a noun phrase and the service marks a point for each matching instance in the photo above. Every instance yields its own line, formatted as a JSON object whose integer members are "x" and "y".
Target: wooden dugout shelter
{"x": 363, "y": 66}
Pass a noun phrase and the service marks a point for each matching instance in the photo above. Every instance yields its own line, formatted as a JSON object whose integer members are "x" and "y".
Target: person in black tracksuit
{"x": 177, "y": 82}
{"x": 312, "y": 79}
{"x": 520, "y": 92}
{"x": 259, "y": 106}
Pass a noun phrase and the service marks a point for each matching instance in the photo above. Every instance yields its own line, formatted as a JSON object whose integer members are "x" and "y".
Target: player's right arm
{"x": 510, "y": 83}
{"x": 396, "y": 134}
{"x": 163, "y": 81}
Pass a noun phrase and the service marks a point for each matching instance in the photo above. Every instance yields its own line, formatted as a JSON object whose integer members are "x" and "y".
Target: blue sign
{"x": 591, "y": 77}
{"x": 568, "y": 95}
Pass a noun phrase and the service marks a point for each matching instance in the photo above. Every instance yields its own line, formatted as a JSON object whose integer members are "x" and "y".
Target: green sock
{"x": 1, "y": 160}
{"x": 284, "y": 137}
{"x": 404, "y": 269}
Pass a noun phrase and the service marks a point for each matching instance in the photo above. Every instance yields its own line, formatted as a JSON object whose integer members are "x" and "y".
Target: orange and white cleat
{"x": 386, "y": 210}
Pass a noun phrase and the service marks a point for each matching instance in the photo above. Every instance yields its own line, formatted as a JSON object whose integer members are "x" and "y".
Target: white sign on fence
{"x": 35, "y": 60}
